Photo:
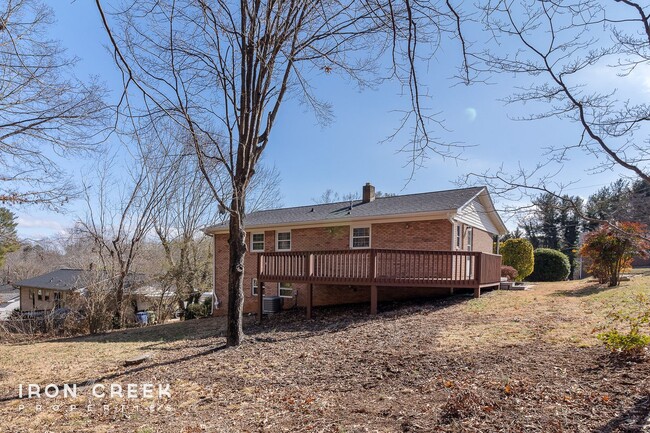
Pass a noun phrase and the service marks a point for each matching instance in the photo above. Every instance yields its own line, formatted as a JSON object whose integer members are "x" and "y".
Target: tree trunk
{"x": 237, "y": 243}
{"x": 119, "y": 297}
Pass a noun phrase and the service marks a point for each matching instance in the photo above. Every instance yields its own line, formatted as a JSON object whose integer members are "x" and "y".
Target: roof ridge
{"x": 361, "y": 201}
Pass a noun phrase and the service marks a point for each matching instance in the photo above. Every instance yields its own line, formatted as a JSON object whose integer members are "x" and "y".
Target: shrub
{"x": 610, "y": 249}
{"x": 633, "y": 342}
{"x": 509, "y": 272}
{"x": 518, "y": 253}
{"x": 196, "y": 311}
{"x": 550, "y": 265}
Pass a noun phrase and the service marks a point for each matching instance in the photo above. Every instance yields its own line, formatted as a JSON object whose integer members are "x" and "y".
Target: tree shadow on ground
{"x": 339, "y": 318}
{"x": 195, "y": 329}
{"x": 589, "y": 290}
{"x": 637, "y": 418}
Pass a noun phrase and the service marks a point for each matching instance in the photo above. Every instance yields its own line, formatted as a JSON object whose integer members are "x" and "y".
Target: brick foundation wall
{"x": 415, "y": 235}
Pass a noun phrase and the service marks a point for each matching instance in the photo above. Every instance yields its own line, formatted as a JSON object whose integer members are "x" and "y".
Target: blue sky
{"x": 348, "y": 152}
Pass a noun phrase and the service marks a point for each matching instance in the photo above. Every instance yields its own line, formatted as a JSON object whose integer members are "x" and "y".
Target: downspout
{"x": 215, "y": 300}
{"x": 450, "y": 217}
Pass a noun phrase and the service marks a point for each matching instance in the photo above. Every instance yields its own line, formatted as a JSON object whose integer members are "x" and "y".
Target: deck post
{"x": 373, "y": 299}
{"x": 477, "y": 292}
{"x": 310, "y": 292}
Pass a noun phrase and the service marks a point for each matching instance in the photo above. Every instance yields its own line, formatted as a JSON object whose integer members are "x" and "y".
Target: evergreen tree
{"x": 8, "y": 236}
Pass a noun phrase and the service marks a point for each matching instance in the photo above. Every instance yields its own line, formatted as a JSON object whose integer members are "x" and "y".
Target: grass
{"x": 559, "y": 313}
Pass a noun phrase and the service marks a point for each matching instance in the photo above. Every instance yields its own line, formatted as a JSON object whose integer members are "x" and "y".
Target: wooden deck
{"x": 381, "y": 268}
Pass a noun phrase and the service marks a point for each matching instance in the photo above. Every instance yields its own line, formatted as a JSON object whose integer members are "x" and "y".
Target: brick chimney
{"x": 368, "y": 193}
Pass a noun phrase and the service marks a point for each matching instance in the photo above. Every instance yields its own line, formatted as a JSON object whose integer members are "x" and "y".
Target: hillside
{"x": 509, "y": 361}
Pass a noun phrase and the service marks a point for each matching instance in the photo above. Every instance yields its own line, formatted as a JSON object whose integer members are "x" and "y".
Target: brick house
{"x": 375, "y": 248}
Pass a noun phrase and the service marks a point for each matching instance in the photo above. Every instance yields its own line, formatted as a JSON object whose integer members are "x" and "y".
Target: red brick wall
{"x": 482, "y": 241}
{"x": 417, "y": 235}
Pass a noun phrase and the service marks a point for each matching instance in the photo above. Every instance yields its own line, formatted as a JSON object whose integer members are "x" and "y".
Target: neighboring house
{"x": 52, "y": 290}
{"x": 9, "y": 300}
{"x": 57, "y": 289}
{"x": 344, "y": 252}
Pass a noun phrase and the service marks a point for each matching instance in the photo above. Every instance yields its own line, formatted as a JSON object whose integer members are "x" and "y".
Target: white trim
{"x": 458, "y": 246}
{"x": 253, "y": 250}
{"x": 277, "y": 240}
{"x": 352, "y": 227}
{"x": 255, "y": 288}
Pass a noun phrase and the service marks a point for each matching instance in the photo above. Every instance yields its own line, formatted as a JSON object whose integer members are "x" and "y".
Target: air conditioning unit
{"x": 272, "y": 304}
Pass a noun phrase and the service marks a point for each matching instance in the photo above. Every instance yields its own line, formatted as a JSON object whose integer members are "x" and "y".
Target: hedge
{"x": 550, "y": 265}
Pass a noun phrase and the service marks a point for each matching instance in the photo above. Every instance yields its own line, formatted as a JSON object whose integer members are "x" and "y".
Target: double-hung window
{"x": 283, "y": 241}
{"x": 254, "y": 291}
{"x": 360, "y": 237}
{"x": 257, "y": 242}
{"x": 470, "y": 238}
{"x": 459, "y": 236}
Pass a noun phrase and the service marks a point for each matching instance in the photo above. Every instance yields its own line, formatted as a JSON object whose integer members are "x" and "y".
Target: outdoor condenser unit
{"x": 272, "y": 304}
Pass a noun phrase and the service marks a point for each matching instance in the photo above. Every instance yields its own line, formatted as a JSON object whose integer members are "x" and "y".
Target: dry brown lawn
{"x": 512, "y": 361}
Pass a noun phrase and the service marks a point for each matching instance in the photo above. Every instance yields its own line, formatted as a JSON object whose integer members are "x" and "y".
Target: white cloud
{"x": 32, "y": 223}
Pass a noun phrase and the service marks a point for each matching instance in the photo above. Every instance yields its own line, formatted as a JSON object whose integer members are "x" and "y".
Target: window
{"x": 40, "y": 295}
{"x": 257, "y": 242}
{"x": 459, "y": 236}
{"x": 254, "y": 286}
{"x": 47, "y": 295}
{"x": 283, "y": 241}
{"x": 470, "y": 238}
{"x": 360, "y": 237}
{"x": 285, "y": 290}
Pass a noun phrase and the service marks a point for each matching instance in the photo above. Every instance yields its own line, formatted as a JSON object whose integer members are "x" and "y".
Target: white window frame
{"x": 285, "y": 286}
{"x": 254, "y": 287}
{"x": 277, "y": 240}
{"x": 470, "y": 239}
{"x": 263, "y": 241}
{"x": 369, "y": 227}
{"x": 459, "y": 236}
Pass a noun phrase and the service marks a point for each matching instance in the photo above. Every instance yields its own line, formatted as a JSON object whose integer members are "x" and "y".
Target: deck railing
{"x": 382, "y": 267}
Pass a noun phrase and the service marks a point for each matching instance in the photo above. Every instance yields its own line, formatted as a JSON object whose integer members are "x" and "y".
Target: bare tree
{"x": 189, "y": 207}
{"x": 118, "y": 224}
{"x": 44, "y": 111}
{"x": 560, "y": 48}
{"x": 223, "y": 69}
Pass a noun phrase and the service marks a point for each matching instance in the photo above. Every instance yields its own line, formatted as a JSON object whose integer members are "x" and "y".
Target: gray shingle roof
{"x": 62, "y": 279}
{"x": 438, "y": 201}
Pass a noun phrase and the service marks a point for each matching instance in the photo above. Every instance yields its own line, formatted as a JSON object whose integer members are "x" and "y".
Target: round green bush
{"x": 518, "y": 253}
{"x": 550, "y": 265}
